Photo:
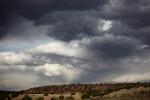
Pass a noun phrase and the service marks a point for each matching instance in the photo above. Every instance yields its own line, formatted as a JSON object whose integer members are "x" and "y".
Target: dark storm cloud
{"x": 72, "y": 25}
{"x": 27, "y": 7}
{"x": 141, "y": 34}
{"x": 132, "y": 16}
{"x": 133, "y": 13}
{"x": 74, "y": 20}
{"x": 76, "y": 38}
{"x": 112, "y": 47}
{"x": 34, "y": 9}
{"x": 3, "y": 30}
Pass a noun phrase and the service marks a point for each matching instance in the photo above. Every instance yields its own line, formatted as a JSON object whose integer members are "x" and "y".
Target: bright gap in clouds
{"x": 105, "y": 25}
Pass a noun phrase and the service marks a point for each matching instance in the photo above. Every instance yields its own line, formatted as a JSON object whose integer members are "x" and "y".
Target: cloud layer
{"x": 66, "y": 41}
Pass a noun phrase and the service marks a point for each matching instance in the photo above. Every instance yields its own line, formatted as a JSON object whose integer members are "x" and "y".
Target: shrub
{"x": 26, "y": 97}
{"x": 1, "y": 97}
{"x": 40, "y": 98}
{"x": 72, "y": 93}
{"x": 61, "y": 97}
{"x": 85, "y": 95}
{"x": 46, "y": 94}
{"x": 95, "y": 93}
{"x": 14, "y": 95}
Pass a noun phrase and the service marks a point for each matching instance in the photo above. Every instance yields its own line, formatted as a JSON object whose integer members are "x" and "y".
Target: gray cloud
{"x": 34, "y": 9}
{"x": 132, "y": 16}
{"x": 113, "y": 47}
{"x": 133, "y": 13}
{"x": 103, "y": 40}
{"x": 71, "y": 25}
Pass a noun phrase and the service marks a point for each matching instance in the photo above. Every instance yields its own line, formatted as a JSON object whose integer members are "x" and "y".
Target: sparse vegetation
{"x": 84, "y": 91}
{"x": 45, "y": 93}
{"x": 40, "y": 98}
{"x": 82, "y": 88}
{"x": 85, "y": 95}
{"x": 72, "y": 93}
{"x": 61, "y": 97}
{"x": 26, "y": 97}
{"x": 135, "y": 96}
{"x": 15, "y": 94}
{"x": 6, "y": 95}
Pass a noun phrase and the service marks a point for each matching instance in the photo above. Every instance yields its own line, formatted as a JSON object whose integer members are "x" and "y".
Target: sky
{"x": 45, "y": 42}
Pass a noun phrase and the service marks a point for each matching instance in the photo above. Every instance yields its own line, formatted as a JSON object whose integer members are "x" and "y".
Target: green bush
{"x": 1, "y": 97}
{"x": 61, "y": 97}
{"x": 95, "y": 93}
{"x": 40, "y": 98}
{"x": 46, "y": 94}
{"x": 5, "y": 96}
{"x": 85, "y": 95}
{"x": 72, "y": 93}
{"x": 26, "y": 97}
{"x": 14, "y": 95}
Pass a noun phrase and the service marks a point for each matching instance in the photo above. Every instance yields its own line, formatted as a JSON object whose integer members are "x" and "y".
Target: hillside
{"x": 101, "y": 91}
{"x": 54, "y": 89}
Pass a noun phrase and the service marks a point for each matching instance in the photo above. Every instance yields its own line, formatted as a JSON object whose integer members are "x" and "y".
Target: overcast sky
{"x": 45, "y": 42}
